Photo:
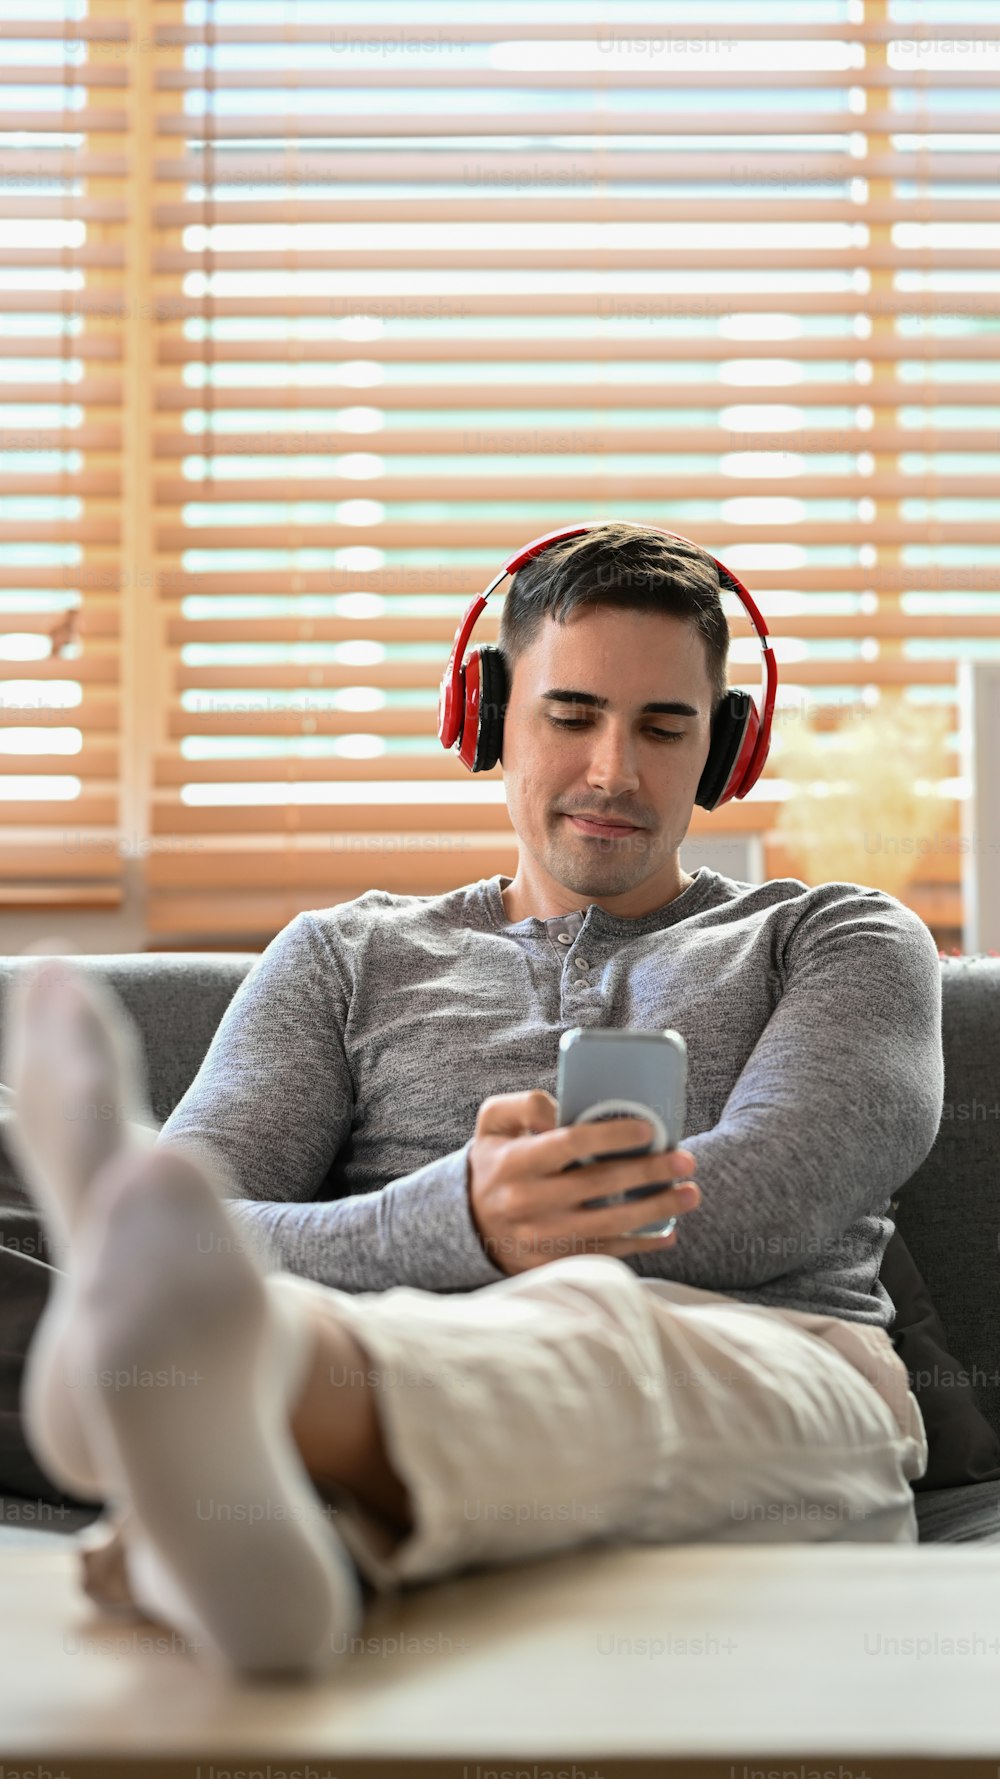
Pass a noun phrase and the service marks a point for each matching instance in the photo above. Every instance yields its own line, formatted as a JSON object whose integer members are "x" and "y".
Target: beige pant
{"x": 578, "y": 1402}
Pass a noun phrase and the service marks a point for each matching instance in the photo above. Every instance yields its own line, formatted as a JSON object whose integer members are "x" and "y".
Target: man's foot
{"x": 162, "y": 1374}
{"x": 73, "y": 1060}
{"x": 192, "y": 1366}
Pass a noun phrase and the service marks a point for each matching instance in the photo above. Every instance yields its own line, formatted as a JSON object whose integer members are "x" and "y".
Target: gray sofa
{"x": 948, "y": 1212}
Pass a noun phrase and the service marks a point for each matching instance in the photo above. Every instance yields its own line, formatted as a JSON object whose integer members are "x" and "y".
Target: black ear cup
{"x": 493, "y": 695}
{"x": 729, "y": 727}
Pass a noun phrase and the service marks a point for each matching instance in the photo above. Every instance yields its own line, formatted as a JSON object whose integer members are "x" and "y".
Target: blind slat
{"x": 496, "y": 169}
{"x": 35, "y": 860}
{"x": 57, "y": 30}
{"x": 93, "y": 761}
{"x": 98, "y": 713}
{"x": 104, "y": 483}
{"x": 86, "y": 531}
{"x": 558, "y": 397}
{"x": 17, "y": 346}
{"x": 92, "y": 808}
{"x": 608, "y": 208}
{"x": 598, "y": 124}
{"x": 606, "y": 485}
{"x": 99, "y": 621}
{"x": 666, "y": 77}
{"x": 95, "y": 391}
{"x": 69, "y": 120}
{"x": 35, "y": 164}
{"x": 102, "y": 255}
{"x": 633, "y": 259}
{"x": 663, "y": 349}
{"x": 502, "y": 28}
{"x": 98, "y": 665}
{"x": 84, "y": 74}
{"x": 637, "y": 304}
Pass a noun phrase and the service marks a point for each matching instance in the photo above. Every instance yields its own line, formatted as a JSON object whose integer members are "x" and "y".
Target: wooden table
{"x": 832, "y": 1661}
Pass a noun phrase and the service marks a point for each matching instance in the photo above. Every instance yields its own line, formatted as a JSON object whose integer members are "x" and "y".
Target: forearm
{"x": 763, "y": 1214}
{"x": 821, "y": 1130}
{"x": 415, "y": 1231}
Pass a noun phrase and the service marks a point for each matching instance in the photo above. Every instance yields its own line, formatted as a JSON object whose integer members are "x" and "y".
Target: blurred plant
{"x": 856, "y": 811}
{"x": 66, "y": 631}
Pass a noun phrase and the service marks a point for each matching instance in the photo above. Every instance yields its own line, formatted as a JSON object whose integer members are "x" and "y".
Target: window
{"x": 417, "y": 291}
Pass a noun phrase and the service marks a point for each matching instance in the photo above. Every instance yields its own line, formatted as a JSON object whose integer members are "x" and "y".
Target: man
{"x": 470, "y": 1360}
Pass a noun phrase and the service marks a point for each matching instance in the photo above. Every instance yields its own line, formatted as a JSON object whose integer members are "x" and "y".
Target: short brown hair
{"x": 622, "y": 565}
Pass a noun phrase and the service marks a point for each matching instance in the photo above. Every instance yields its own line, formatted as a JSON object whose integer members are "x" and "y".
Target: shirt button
{"x": 582, "y": 964}
{"x": 564, "y": 938}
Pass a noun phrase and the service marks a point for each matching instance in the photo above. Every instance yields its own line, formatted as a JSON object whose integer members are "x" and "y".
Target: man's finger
{"x": 645, "y": 1244}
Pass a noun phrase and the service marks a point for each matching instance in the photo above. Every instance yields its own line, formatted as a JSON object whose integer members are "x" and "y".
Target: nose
{"x": 613, "y": 761}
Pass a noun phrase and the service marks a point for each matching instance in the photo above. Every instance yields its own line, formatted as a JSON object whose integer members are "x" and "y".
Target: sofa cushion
{"x": 176, "y": 1000}
{"x": 962, "y": 1446}
{"x": 960, "y": 1516}
{"x": 26, "y": 1276}
{"x": 949, "y": 1210}
{"x": 11, "y": 1190}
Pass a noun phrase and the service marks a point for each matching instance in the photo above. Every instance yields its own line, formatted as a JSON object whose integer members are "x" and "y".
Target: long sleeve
{"x": 416, "y": 1231}
{"x": 273, "y": 1102}
{"x": 838, "y": 1104}
{"x": 273, "y": 1098}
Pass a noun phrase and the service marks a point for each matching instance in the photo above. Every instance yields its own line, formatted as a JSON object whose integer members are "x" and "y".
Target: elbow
{"x": 210, "y": 1159}
{"x": 915, "y": 1119}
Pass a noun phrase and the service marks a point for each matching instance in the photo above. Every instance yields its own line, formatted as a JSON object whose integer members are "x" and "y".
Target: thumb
{"x": 518, "y": 1114}
{"x": 543, "y": 1111}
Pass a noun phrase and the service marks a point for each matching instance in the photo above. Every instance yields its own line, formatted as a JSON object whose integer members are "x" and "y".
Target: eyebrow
{"x": 560, "y": 695}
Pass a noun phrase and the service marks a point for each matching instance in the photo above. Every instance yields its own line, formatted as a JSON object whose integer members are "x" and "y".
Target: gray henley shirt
{"x": 342, "y": 1084}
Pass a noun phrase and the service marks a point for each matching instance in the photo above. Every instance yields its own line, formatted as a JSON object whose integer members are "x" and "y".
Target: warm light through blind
{"x": 424, "y": 287}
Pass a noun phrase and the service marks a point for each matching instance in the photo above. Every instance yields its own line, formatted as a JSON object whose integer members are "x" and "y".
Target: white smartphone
{"x": 625, "y": 1074}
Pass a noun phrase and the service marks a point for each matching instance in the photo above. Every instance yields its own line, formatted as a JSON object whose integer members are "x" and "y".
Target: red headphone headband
{"x": 450, "y": 705}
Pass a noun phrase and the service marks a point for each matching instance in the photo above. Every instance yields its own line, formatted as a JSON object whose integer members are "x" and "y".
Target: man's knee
{"x": 606, "y": 1291}
{"x": 599, "y": 1271}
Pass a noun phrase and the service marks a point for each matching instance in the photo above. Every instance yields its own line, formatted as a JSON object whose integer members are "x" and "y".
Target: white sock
{"x": 162, "y": 1342}
{"x": 194, "y": 1364}
{"x": 73, "y": 1060}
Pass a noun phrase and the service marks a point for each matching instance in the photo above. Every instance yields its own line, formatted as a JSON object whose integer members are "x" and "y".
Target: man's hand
{"x": 528, "y": 1211}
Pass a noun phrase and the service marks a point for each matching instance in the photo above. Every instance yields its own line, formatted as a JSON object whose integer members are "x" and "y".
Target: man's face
{"x": 618, "y": 760}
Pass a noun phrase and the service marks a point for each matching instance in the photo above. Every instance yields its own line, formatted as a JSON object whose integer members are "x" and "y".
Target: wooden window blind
{"x": 64, "y": 121}
{"x": 425, "y": 287}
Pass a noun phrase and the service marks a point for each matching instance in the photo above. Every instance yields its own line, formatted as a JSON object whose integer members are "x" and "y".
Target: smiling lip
{"x": 585, "y": 825}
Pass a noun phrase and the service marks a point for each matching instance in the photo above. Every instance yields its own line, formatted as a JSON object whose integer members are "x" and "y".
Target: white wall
{"x": 979, "y": 742}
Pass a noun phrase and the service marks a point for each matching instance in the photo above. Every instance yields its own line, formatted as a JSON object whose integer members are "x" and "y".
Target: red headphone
{"x": 474, "y": 694}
